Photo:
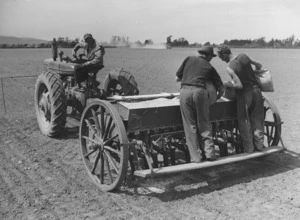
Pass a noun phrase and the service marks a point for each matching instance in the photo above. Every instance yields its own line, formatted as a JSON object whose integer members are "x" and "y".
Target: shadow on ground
{"x": 71, "y": 130}
{"x": 203, "y": 181}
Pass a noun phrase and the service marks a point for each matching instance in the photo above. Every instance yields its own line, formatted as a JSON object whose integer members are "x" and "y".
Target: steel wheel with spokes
{"x": 272, "y": 123}
{"x": 103, "y": 142}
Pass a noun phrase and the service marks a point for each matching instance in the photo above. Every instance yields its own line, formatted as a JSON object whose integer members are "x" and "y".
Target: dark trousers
{"x": 250, "y": 113}
{"x": 194, "y": 105}
{"x": 81, "y": 73}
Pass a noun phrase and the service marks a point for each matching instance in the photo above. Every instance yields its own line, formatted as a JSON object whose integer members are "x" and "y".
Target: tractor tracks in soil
{"x": 34, "y": 173}
{"x": 27, "y": 176}
{"x": 44, "y": 178}
{"x": 40, "y": 175}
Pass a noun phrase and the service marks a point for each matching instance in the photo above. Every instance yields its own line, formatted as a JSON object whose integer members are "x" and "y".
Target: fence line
{"x": 2, "y": 87}
{"x": 3, "y": 98}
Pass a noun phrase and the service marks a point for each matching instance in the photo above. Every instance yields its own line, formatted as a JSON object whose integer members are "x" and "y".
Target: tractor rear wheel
{"x": 120, "y": 82}
{"x": 50, "y": 104}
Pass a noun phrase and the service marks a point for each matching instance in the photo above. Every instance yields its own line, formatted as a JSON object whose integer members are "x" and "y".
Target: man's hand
{"x": 86, "y": 63}
{"x": 221, "y": 92}
{"x": 258, "y": 66}
{"x": 74, "y": 54}
{"x": 228, "y": 83}
{"x": 178, "y": 79}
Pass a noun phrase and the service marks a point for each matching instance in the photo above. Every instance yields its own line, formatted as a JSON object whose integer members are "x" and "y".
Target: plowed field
{"x": 44, "y": 178}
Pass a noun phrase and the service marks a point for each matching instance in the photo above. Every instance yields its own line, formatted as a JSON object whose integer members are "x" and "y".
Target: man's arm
{"x": 98, "y": 56}
{"x": 216, "y": 80}
{"x": 255, "y": 63}
{"x": 235, "y": 82}
{"x": 77, "y": 47}
{"x": 102, "y": 50}
{"x": 98, "y": 59}
{"x": 179, "y": 72}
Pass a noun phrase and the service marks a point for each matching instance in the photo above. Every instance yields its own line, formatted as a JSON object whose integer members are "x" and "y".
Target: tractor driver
{"x": 94, "y": 53}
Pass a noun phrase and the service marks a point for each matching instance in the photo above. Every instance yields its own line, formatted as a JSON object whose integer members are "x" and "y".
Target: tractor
{"x": 56, "y": 93}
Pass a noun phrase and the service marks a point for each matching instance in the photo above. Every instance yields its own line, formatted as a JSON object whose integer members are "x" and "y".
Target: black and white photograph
{"x": 153, "y": 109}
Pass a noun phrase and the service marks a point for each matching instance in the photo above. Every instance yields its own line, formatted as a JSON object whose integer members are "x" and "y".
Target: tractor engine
{"x": 76, "y": 98}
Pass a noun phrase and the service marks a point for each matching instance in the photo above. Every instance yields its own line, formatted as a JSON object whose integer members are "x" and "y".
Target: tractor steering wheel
{"x": 79, "y": 58}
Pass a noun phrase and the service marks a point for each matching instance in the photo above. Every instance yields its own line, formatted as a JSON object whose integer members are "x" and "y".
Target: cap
{"x": 86, "y": 36}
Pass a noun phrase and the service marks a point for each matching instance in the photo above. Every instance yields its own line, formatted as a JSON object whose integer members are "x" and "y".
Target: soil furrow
{"x": 28, "y": 197}
{"x": 59, "y": 170}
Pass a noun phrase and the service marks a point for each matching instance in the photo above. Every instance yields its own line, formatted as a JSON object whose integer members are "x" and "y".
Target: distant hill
{"x": 20, "y": 40}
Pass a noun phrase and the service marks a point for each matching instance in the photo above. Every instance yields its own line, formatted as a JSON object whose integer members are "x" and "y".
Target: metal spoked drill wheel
{"x": 272, "y": 124}
{"x": 104, "y": 145}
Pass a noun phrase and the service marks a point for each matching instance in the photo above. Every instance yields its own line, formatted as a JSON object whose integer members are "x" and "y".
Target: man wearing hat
{"x": 194, "y": 73}
{"x": 94, "y": 53}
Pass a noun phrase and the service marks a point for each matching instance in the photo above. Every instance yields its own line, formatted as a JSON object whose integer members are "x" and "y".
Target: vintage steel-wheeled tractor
{"x": 127, "y": 136}
{"x": 56, "y": 93}
{"x": 123, "y": 134}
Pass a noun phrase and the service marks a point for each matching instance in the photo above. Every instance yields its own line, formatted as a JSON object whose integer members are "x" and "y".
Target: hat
{"x": 207, "y": 50}
{"x": 86, "y": 36}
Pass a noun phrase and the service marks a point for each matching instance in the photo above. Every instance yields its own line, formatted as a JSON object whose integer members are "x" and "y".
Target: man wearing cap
{"x": 194, "y": 73}
{"x": 94, "y": 53}
{"x": 250, "y": 103}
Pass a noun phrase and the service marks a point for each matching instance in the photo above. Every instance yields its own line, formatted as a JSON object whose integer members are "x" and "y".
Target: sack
{"x": 264, "y": 80}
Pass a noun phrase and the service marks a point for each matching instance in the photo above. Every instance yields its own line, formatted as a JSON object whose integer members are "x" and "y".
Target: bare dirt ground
{"x": 44, "y": 178}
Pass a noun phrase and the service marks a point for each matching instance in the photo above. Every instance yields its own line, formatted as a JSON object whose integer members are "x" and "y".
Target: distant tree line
{"x": 25, "y": 45}
{"x": 61, "y": 42}
{"x": 261, "y": 42}
{"x": 117, "y": 41}
{"x": 182, "y": 42}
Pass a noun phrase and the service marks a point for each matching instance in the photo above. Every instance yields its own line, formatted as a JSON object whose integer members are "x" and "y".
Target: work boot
{"x": 83, "y": 85}
{"x": 248, "y": 149}
{"x": 211, "y": 158}
{"x": 78, "y": 87}
{"x": 102, "y": 94}
{"x": 210, "y": 152}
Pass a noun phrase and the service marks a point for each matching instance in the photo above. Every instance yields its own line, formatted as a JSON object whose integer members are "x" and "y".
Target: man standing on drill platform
{"x": 250, "y": 102}
{"x": 194, "y": 73}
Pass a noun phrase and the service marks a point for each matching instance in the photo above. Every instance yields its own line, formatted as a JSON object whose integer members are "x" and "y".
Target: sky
{"x": 198, "y": 21}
